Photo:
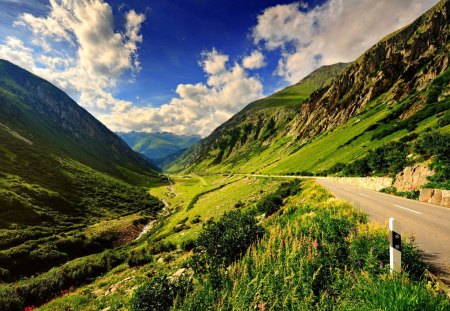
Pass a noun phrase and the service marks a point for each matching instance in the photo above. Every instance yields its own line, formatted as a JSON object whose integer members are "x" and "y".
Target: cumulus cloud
{"x": 337, "y": 31}
{"x": 97, "y": 55}
{"x": 254, "y": 60}
{"x": 198, "y": 108}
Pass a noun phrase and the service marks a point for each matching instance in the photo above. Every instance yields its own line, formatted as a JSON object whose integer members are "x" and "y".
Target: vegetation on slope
{"x": 319, "y": 254}
{"x": 398, "y": 87}
{"x": 252, "y": 130}
{"x": 61, "y": 172}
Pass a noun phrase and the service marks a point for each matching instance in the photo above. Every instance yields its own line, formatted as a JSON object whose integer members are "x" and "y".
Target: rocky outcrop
{"x": 370, "y": 183}
{"x": 413, "y": 177}
{"x": 435, "y": 196}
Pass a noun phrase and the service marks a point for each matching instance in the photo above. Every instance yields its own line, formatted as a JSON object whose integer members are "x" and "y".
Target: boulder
{"x": 426, "y": 195}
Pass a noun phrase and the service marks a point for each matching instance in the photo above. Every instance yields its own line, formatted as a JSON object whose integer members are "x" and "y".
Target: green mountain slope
{"x": 157, "y": 146}
{"x": 61, "y": 171}
{"x": 248, "y": 133}
{"x": 398, "y": 87}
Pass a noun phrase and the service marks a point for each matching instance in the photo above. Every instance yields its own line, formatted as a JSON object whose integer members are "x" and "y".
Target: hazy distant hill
{"x": 157, "y": 146}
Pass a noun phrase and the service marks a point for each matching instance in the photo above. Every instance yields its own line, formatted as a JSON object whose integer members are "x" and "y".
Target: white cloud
{"x": 337, "y": 31}
{"x": 97, "y": 55}
{"x": 254, "y": 60}
{"x": 199, "y": 108}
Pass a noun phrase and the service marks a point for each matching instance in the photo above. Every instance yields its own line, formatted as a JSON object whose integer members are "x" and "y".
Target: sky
{"x": 187, "y": 66}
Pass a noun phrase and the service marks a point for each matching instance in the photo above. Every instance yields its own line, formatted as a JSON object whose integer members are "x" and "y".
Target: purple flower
{"x": 381, "y": 264}
{"x": 358, "y": 263}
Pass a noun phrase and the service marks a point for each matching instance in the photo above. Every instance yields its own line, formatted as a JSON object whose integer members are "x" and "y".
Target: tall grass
{"x": 319, "y": 255}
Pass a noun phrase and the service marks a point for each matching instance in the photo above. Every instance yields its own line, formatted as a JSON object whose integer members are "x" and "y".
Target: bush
{"x": 159, "y": 293}
{"x": 139, "y": 257}
{"x": 161, "y": 247}
{"x": 188, "y": 245}
{"x": 197, "y": 219}
{"x": 225, "y": 241}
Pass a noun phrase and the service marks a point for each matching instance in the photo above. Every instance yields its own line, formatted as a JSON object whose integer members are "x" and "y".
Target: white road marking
{"x": 364, "y": 195}
{"x": 399, "y": 206}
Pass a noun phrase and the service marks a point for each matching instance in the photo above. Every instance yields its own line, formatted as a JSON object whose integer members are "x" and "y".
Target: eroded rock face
{"x": 413, "y": 177}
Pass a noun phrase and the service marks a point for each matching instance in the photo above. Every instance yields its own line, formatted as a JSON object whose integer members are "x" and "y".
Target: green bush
{"x": 139, "y": 257}
{"x": 159, "y": 293}
{"x": 161, "y": 247}
{"x": 188, "y": 245}
{"x": 226, "y": 240}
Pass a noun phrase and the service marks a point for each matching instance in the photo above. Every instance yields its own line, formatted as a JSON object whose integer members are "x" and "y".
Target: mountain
{"x": 157, "y": 146}
{"x": 247, "y": 133}
{"x": 397, "y": 88}
{"x": 61, "y": 171}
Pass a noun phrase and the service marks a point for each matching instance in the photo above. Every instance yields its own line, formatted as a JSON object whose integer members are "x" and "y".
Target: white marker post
{"x": 395, "y": 249}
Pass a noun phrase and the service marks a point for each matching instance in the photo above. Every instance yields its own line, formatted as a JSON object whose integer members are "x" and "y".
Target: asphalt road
{"x": 428, "y": 223}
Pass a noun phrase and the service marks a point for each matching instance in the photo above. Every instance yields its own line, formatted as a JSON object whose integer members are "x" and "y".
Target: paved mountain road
{"x": 430, "y": 224}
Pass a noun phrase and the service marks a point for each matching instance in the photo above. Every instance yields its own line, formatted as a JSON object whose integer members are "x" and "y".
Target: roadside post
{"x": 395, "y": 249}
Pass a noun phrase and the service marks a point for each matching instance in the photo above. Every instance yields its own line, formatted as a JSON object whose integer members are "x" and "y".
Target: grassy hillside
{"x": 250, "y": 131}
{"x": 157, "y": 146}
{"x": 383, "y": 96}
{"x": 313, "y": 253}
{"x": 61, "y": 171}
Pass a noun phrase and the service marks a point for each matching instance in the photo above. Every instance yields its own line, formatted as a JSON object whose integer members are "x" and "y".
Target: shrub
{"x": 197, "y": 219}
{"x": 188, "y": 245}
{"x": 159, "y": 294}
{"x": 225, "y": 241}
{"x": 161, "y": 247}
{"x": 139, "y": 257}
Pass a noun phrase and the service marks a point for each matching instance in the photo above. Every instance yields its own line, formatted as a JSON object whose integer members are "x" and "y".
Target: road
{"x": 428, "y": 223}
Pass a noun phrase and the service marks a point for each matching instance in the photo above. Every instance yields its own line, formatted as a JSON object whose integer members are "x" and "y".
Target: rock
{"x": 426, "y": 195}
{"x": 437, "y": 197}
{"x": 116, "y": 286}
{"x": 413, "y": 177}
{"x": 445, "y": 198}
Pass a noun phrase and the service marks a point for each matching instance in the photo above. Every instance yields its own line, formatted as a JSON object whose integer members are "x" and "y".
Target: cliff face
{"x": 396, "y": 67}
{"x": 413, "y": 177}
{"x": 396, "y": 72}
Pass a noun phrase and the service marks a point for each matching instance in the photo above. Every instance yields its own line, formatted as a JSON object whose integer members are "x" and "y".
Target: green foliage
{"x": 272, "y": 202}
{"x": 38, "y": 290}
{"x": 188, "y": 245}
{"x": 161, "y": 247}
{"x": 159, "y": 293}
{"x": 320, "y": 255}
{"x": 437, "y": 146}
{"x": 437, "y": 86}
{"x": 413, "y": 195}
{"x": 139, "y": 257}
{"x": 222, "y": 242}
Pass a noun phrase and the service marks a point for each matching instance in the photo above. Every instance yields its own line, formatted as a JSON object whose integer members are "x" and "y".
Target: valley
{"x": 259, "y": 214}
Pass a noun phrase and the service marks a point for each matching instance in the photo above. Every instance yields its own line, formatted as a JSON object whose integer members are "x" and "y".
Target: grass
{"x": 318, "y": 253}
{"x": 213, "y": 204}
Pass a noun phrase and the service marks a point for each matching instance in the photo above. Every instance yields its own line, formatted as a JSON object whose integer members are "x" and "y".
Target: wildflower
{"x": 261, "y": 307}
{"x": 29, "y": 308}
{"x": 381, "y": 264}
{"x": 358, "y": 263}
{"x": 315, "y": 244}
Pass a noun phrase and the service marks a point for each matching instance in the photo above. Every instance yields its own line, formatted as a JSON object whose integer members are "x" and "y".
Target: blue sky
{"x": 186, "y": 66}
